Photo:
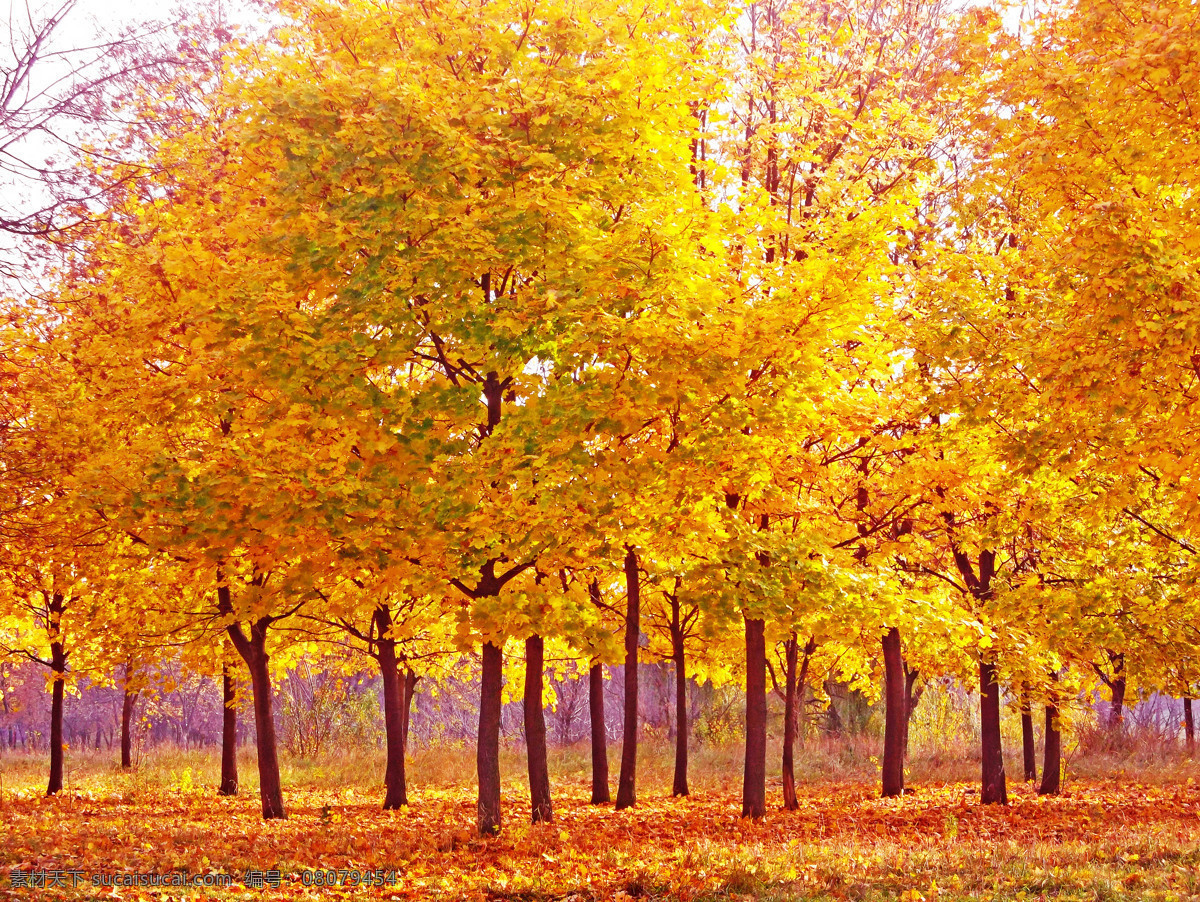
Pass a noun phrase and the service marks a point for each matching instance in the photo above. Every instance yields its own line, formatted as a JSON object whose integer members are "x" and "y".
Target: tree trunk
{"x": 679, "y": 786}
{"x": 1189, "y": 727}
{"x": 1052, "y": 766}
{"x": 791, "y": 649}
{"x": 1116, "y": 711}
{"x": 993, "y": 790}
{"x": 410, "y": 690}
{"x": 127, "y": 705}
{"x": 627, "y": 783}
{"x": 895, "y": 714}
{"x": 229, "y": 767}
{"x": 535, "y": 732}
{"x": 395, "y": 782}
{"x": 488, "y": 744}
{"x": 270, "y": 786}
{"x": 1029, "y": 751}
{"x": 754, "y": 773}
{"x": 58, "y": 666}
{"x": 600, "y": 794}
{"x": 912, "y": 696}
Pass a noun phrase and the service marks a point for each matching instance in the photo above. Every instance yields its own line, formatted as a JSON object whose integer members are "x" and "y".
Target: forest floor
{"x": 1105, "y": 838}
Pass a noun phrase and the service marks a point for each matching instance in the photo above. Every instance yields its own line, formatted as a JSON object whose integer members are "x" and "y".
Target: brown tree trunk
{"x": 912, "y": 696}
{"x": 1052, "y": 766}
{"x": 535, "y": 732}
{"x": 488, "y": 744}
{"x": 229, "y": 767}
{"x": 993, "y": 790}
{"x": 791, "y": 649}
{"x": 1028, "y": 749}
{"x": 58, "y": 667}
{"x": 127, "y": 704}
{"x": 410, "y": 690}
{"x": 1189, "y": 727}
{"x": 754, "y": 773}
{"x": 395, "y": 782}
{"x": 1116, "y": 711}
{"x": 679, "y": 786}
{"x": 627, "y": 783}
{"x": 270, "y": 786}
{"x": 600, "y": 794}
{"x": 895, "y": 714}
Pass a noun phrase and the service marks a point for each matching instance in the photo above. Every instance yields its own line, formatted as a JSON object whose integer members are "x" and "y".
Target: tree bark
{"x": 895, "y": 714}
{"x": 791, "y": 650}
{"x": 128, "y": 702}
{"x": 488, "y": 745}
{"x": 270, "y": 786}
{"x": 1189, "y": 727}
{"x": 627, "y": 783}
{"x": 229, "y": 767}
{"x": 754, "y": 773}
{"x": 600, "y": 794}
{"x": 395, "y": 781}
{"x": 679, "y": 786}
{"x": 1052, "y": 766}
{"x": 993, "y": 790}
{"x": 410, "y": 690}
{"x": 1028, "y": 749}
{"x": 535, "y": 732}
{"x": 1116, "y": 711}
{"x": 58, "y": 666}
{"x": 912, "y": 696}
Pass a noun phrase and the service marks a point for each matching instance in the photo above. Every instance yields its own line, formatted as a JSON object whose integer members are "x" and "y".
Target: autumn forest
{"x": 508, "y": 358}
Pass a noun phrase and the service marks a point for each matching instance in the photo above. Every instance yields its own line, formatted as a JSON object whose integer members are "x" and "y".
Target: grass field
{"x": 1107, "y": 838}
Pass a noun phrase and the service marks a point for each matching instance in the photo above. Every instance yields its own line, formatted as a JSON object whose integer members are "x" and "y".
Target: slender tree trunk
{"x": 679, "y": 786}
{"x": 410, "y": 690}
{"x": 58, "y": 666}
{"x": 395, "y": 781}
{"x": 127, "y": 705}
{"x": 793, "y": 702}
{"x": 754, "y": 773}
{"x": 895, "y": 714}
{"x": 1052, "y": 766}
{"x": 600, "y": 794}
{"x": 627, "y": 783}
{"x": 1028, "y": 749}
{"x": 488, "y": 745}
{"x": 1189, "y": 727}
{"x": 993, "y": 790}
{"x": 229, "y": 766}
{"x": 912, "y": 697}
{"x": 535, "y": 732}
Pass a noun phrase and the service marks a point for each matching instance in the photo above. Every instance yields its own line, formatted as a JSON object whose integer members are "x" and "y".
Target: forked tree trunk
{"x": 229, "y": 767}
{"x": 535, "y": 732}
{"x": 993, "y": 790}
{"x": 253, "y": 650}
{"x": 754, "y": 773}
{"x": 1052, "y": 766}
{"x": 600, "y": 794}
{"x": 58, "y": 667}
{"x": 679, "y": 786}
{"x": 1189, "y": 727}
{"x": 488, "y": 745}
{"x": 1028, "y": 749}
{"x": 627, "y": 783}
{"x": 895, "y": 714}
{"x": 395, "y": 781}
